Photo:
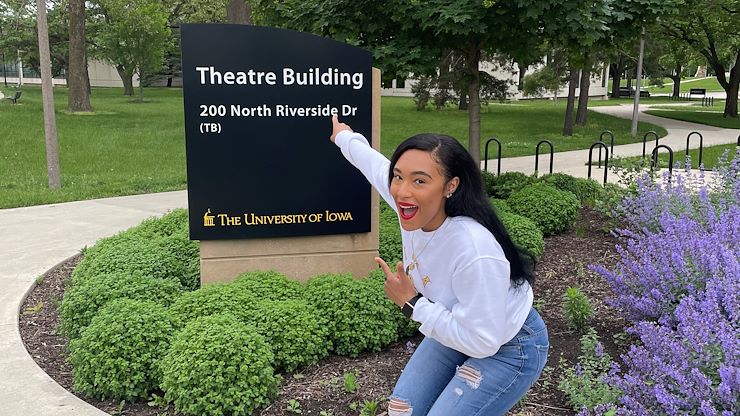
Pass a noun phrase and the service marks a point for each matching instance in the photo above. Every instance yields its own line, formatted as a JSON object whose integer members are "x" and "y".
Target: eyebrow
{"x": 416, "y": 172}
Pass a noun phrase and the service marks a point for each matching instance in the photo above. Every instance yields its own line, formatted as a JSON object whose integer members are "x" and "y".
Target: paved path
{"x": 35, "y": 239}
{"x": 574, "y": 162}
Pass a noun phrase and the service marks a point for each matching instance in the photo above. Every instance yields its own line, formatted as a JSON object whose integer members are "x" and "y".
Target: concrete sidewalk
{"x": 574, "y": 162}
{"x": 35, "y": 239}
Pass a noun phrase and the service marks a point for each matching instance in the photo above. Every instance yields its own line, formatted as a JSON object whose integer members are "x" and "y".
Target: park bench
{"x": 15, "y": 97}
{"x": 697, "y": 91}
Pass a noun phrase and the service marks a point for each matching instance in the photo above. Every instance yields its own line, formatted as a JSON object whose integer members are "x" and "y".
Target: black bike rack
{"x": 654, "y": 159}
{"x": 537, "y": 155}
{"x": 606, "y": 160}
{"x": 644, "y": 141}
{"x": 485, "y": 163}
{"x": 701, "y": 144}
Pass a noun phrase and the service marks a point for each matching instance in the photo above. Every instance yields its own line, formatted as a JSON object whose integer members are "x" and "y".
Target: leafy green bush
{"x": 500, "y": 206}
{"x": 116, "y": 356}
{"x": 159, "y": 247}
{"x": 507, "y": 183}
{"x": 296, "y": 332}
{"x": 357, "y": 311}
{"x": 489, "y": 180}
{"x": 82, "y": 302}
{"x": 551, "y": 209}
{"x": 391, "y": 248}
{"x": 577, "y": 309}
{"x": 586, "y": 190}
{"x": 584, "y": 384}
{"x": 524, "y": 233}
{"x": 213, "y": 299}
{"x": 268, "y": 285}
{"x": 217, "y": 365}
{"x": 609, "y": 203}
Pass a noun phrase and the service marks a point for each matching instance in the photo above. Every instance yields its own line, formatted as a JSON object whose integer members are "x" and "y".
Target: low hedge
{"x": 551, "y": 209}
{"x": 216, "y": 365}
{"x": 297, "y": 333}
{"x": 116, "y": 357}
{"x": 499, "y": 206}
{"x": 524, "y": 233}
{"x": 358, "y": 313}
{"x": 586, "y": 190}
{"x": 507, "y": 183}
{"x": 82, "y": 302}
{"x": 268, "y": 284}
{"x": 213, "y": 299}
{"x": 391, "y": 247}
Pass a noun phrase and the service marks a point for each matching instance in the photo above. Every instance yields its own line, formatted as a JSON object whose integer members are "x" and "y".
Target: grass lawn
{"x": 701, "y": 117}
{"x": 710, "y": 156}
{"x": 129, "y": 148}
{"x": 710, "y": 84}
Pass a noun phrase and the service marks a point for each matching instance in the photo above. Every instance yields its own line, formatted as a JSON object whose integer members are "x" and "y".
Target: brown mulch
{"x": 322, "y": 387}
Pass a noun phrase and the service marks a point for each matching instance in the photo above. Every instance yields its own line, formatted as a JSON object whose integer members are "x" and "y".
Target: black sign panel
{"x": 258, "y": 106}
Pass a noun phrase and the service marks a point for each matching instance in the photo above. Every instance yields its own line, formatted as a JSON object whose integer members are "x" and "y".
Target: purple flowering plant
{"x": 678, "y": 282}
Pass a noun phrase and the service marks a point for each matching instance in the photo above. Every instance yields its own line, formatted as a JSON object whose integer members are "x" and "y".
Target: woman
{"x": 461, "y": 277}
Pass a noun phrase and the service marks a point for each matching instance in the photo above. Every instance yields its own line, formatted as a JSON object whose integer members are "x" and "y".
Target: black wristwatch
{"x": 408, "y": 307}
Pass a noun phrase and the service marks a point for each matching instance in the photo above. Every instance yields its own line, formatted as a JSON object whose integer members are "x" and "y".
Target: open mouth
{"x": 407, "y": 211}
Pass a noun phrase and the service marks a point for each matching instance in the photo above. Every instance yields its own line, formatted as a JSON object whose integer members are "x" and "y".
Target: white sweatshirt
{"x": 469, "y": 302}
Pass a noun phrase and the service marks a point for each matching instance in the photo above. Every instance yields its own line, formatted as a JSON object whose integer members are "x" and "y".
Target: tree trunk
{"x": 79, "y": 95}
{"x": 731, "y": 86}
{"x": 141, "y": 87}
{"x": 616, "y": 71}
{"x": 47, "y": 92}
{"x": 522, "y": 74}
{"x": 582, "y": 113}
{"x": 472, "y": 61}
{"x": 463, "y": 105}
{"x": 568, "y": 124}
{"x": 127, "y": 79}
{"x": 239, "y": 12}
{"x": 676, "y": 78}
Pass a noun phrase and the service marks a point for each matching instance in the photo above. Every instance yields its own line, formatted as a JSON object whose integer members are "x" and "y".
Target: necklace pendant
{"x": 412, "y": 266}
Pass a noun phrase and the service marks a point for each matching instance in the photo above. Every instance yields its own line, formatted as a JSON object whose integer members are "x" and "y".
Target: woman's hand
{"x": 398, "y": 286}
{"x": 337, "y": 127}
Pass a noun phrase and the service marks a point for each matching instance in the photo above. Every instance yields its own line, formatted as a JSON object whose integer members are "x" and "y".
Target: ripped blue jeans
{"x": 440, "y": 381}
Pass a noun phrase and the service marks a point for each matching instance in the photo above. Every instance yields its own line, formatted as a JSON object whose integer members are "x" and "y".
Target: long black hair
{"x": 469, "y": 199}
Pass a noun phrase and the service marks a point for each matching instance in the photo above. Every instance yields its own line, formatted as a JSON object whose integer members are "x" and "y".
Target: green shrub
{"x": 158, "y": 247}
{"x": 82, "y": 302}
{"x": 296, "y": 332}
{"x": 489, "y": 180}
{"x": 268, "y": 285}
{"x": 585, "y": 386}
{"x": 406, "y": 327}
{"x": 500, "y": 206}
{"x": 357, "y": 311}
{"x": 509, "y": 182}
{"x": 213, "y": 299}
{"x": 159, "y": 257}
{"x": 609, "y": 203}
{"x": 116, "y": 356}
{"x": 218, "y": 366}
{"x": 586, "y": 190}
{"x": 391, "y": 248}
{"x": 577, "y": 309}
{"x": 174, "y": 222}
{"x": 524, "y": 233}
{"x": 551, "y": 209}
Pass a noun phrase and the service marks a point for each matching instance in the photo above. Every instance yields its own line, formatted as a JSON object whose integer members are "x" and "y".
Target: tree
{"x": 710, "y": 27}
{"x": 50, "y": 126}
{"x": 77, "y": 76}
{"x": 133, "y": 37}
{"x": 408, "y": 36}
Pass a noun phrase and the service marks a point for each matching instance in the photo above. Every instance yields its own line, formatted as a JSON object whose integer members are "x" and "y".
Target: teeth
{"x": 408, "y": 211}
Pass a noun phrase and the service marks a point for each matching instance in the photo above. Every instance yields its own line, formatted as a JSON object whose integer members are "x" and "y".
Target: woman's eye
{"x": 397, "y": 177}
{"x": 419, "y": 181}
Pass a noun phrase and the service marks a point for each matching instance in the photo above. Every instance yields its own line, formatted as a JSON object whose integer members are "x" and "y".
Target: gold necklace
{"x": 415, "y": 258}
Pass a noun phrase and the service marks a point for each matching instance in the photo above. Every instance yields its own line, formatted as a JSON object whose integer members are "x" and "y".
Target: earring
{"x": 449, "y": 195}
